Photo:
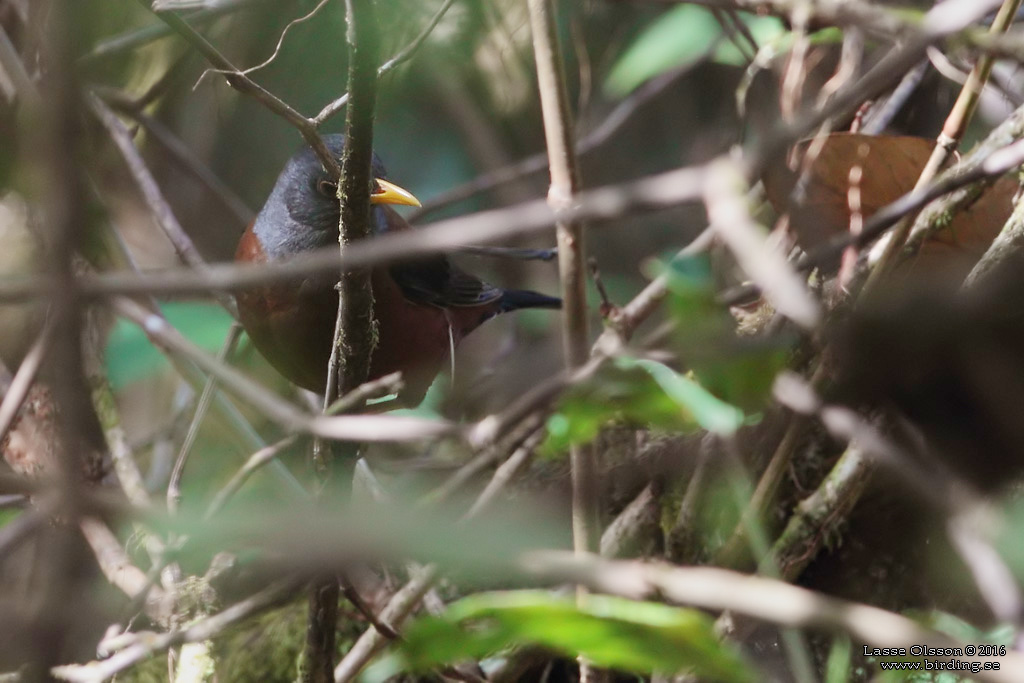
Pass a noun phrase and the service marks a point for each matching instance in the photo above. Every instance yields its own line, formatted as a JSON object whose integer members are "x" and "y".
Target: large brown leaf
{"x": 890, "y": 168}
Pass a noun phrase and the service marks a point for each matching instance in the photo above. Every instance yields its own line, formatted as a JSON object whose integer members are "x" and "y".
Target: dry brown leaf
{"x": 891, "y": 166}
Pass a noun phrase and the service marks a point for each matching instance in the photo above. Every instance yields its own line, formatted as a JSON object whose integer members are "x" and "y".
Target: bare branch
{"x": 397, "y": 610}
{"x": 132, "y": 40}
{"x": 205, "y": 399}
{"x": 347, "y": 428}
{"x": 765, "y": 599}
{"x": 23, "y": 379}
{"x": 660, "y": 191}
{"x": 243, "y": 84}
{"x": 149, "y": 644}
{"x": 151, "y": 192}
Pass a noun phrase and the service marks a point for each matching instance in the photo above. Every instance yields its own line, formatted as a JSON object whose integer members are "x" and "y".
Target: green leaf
{"x": 764, "y": 29}
{"x": 737, "y": 369}
{"x": 130, "y": 356}
{"x": 682, "y": 35}
{"x": 710, "y": 412}
{"x": 612, "y": 632}
{"x": 837, "y": 668}
{"x": 639, "y": 392}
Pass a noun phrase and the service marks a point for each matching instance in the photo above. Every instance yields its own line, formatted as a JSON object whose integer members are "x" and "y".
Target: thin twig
{"x": 245, "y": 85}
{"x": 151, "y": 192}
{"x": 377, "y": 388}
{"x": 204, "y": 629}
{"x": 255, "y": 462}
{"x": 398, "y": 608}
{"x": 134, "y": 39}
{"x": 205, "y": 399}
{"x": 12, "y": 65}
{"x": 284, "y": 33}
{"x": 651, "y": 193}
{"x": 23, "y": 379}
{"x": 881, "y": 256}
{"x": 289, "y": 416}
{"x": 114, "y": 561}
{"x": 487, "y": 456}
{"x": 503, "y": 475}
{"x": 622, "y": 114}
{"x": 190, "y": 163}
{"x": 402, "y": 56}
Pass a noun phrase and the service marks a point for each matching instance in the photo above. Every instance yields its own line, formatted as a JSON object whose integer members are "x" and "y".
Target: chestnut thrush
{"x": 423, "y": 307}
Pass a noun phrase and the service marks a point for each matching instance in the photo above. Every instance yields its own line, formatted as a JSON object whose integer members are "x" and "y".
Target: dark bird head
{"x": 302, "y": 212}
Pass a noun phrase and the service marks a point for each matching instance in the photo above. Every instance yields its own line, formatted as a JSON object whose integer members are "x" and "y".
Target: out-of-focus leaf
{"x": 432, "y": 403}
{"x": 957, "y": 628}
{"x": 710, "y": 412}
{"x": 638, "y": 392}
{"x": 737, "y": 369}
{"x": 837, "y": 669}
{"x": 682, "y": 35}
{"x": 131, "y": 357}
{"x": 764, "y": 29}
{"x": 692, "y": 301}
{"x": 965, "y": 632}
{"x": 300, "y": 537}
{"x": 612, "y": 632}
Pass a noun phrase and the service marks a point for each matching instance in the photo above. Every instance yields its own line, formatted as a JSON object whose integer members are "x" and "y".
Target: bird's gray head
{"x": 302, "y": 211}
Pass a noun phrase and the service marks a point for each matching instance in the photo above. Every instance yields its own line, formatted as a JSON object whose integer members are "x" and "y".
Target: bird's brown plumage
{"x": 422, "y": 308}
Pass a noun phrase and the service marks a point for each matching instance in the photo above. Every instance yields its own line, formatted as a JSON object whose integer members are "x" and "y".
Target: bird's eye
{"x": 327, "y": 188}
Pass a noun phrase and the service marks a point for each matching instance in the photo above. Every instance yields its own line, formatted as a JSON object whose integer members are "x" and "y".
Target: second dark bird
{"x": 422, "y": 307}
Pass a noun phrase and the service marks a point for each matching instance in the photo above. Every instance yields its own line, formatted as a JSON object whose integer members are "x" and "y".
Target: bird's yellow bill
{"x": 390, "y": 193}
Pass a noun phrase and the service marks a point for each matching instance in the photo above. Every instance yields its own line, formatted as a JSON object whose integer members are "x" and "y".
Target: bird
{"x": 423, "y": 307}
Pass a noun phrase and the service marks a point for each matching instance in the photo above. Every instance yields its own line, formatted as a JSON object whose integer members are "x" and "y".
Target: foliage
{"x": 611, "y": 632}
{"x": 639, "y": 393}
{"x": 699, "y": 446}
{"x": 739, "y": 370}
{"x": 683, "y": 35}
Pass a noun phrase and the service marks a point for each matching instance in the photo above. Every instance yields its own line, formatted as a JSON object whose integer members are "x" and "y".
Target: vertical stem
{"x": 354, "y": 328}
{"x": 56, "y": 134}
{"x": 572, "y": 263}
{"x": 355, "y": 341}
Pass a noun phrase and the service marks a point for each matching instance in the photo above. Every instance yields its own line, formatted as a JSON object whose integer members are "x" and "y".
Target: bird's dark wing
{"x": 438, "y": 282}
{"x": 433, "y": 280}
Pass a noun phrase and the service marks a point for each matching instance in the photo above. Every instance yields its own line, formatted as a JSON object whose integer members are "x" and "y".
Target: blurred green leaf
{"x": 708, "y": 411}
{"x": 737, "y": 369}
{"x": 639, "y": 392}
{"x": 837, "y": 668}
{"x": 764, "y": 29}
{"x": 692, "y": 297}
{"x": 612, "y": 632}
{"x": 433, "y": 402}
{"x": 300, "y": 536}
{"x": 682, "y": 35}
{"x": 130, "y": 355}
{"x": 964, "y": 631}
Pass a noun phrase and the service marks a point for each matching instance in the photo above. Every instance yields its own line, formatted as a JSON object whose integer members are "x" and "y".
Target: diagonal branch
{"x": 245, "y": 85}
